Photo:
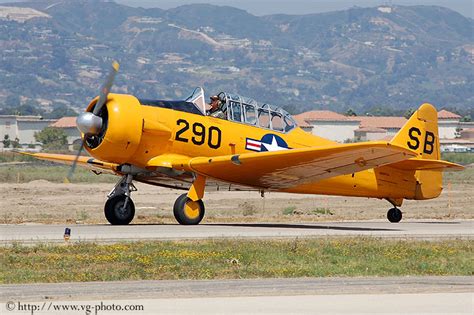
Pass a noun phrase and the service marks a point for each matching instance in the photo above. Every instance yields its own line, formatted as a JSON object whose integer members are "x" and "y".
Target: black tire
{"x": 113, "y": 210}
{"x": 185, "y": 217}
{"x": 394, "y": 215}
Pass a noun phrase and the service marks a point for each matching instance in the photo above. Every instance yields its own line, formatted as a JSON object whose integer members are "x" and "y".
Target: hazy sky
{"x": 262, "y": 7}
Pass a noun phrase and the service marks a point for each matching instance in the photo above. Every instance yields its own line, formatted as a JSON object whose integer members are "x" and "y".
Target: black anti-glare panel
{"x": 181, "y": 106}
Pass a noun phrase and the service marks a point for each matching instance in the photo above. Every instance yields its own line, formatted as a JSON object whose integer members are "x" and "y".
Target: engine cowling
{"x": 120, "y": 135}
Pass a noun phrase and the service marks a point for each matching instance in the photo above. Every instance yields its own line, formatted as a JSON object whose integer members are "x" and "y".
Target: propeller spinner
{"x": 89, "y": 124}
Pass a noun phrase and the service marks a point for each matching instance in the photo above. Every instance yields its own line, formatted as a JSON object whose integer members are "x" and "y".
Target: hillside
{"x": 386, "y": 59}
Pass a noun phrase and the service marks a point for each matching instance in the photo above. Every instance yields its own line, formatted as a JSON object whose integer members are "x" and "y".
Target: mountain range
{"x": 382, "y": 60}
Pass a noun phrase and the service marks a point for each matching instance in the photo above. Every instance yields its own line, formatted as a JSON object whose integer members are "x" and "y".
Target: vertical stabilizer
{"x": 420, "y": 134}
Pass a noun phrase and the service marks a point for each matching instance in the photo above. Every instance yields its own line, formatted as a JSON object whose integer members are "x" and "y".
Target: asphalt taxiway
{"x": 36, "y": 233}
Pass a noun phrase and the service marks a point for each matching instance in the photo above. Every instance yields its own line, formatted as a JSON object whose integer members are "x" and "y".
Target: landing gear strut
{"x": 394, "y": 215}
{"x": 119, "y": 209}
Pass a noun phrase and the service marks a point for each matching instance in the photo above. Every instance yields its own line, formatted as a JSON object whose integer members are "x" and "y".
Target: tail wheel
{"x": 116, "y": 213}
{"x": 394, "y": 215}
{"x": 187, "y": 211}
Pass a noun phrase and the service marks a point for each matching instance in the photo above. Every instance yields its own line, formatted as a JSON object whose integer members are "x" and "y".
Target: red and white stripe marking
{"x": 253, "y": 145}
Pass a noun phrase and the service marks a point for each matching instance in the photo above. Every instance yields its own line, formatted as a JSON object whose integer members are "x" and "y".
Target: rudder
{"x": 420, "y": 134}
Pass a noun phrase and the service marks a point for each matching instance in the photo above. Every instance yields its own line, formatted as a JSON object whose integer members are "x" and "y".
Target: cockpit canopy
{"x": 247, "y": 111}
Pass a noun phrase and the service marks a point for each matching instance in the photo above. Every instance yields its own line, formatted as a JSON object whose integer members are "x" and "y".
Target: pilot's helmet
{"x": 214, "y": 98}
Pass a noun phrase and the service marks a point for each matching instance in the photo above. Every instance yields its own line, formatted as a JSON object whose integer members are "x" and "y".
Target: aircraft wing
{"x": 289, "y": 168}
{"x": 84, "y": 161}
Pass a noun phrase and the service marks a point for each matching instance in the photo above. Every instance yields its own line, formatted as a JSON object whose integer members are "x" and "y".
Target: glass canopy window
{"x": 248, "y": 111}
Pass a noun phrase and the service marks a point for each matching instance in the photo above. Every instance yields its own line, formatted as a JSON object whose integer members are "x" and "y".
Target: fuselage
{"x": 138, "y": 133}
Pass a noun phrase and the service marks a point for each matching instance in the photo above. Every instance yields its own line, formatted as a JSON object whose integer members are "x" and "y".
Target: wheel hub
{"x": 121, "y": 211}
{"x": 191, "y": 209}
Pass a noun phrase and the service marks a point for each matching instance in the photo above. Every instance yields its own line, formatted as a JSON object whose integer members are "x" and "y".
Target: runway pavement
{"x": 430, "y": 303}
{"x": 224, "y": 288}
{"x": 34, "y": 233}
{"x": 395, "y": 295}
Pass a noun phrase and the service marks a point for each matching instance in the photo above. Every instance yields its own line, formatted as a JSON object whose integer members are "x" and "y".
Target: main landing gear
{"x": 187, "y": 211}
{"x": 188, "y": 208}
{"x": 119, "y": 209}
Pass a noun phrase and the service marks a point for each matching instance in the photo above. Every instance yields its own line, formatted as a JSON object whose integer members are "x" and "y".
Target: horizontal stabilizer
{"x": 428, "y": 165}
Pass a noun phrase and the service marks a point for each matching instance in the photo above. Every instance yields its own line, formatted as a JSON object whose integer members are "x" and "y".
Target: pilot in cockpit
{"x": 215, "y": 109}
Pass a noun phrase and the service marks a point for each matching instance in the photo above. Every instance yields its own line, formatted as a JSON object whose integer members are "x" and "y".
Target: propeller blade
{"x": 90, "y": 124}
{"x": 74, "y": 164}
{"x": 105, "y": 89}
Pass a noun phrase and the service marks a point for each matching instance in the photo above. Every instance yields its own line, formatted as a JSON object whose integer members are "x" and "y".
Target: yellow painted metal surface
{"x": 420, "y": 134}
{"x": 83, "y": 161}
{"x": 427, "y": 164}
{"x": 124, "y": 130}
{"x": 290, "y": 168}
{"x": 196, "y": 192}
{"x": 191, "y": 209}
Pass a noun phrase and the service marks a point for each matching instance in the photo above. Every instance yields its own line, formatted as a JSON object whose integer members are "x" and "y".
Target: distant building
{"x": 68, "y": 124}
{"x": 467, "y": 134}
{"x": 370, "y": 133}
{"x": 454, "y": 135}
{"x": 463, "y": 143}
{"x": 447, "y": 124}
{"x": 303, "y": 124}
{"x": 340, "y": 128}
{"x": 328, "y": 124}
{"x": 22, "y": 128}
{"x": 456, "y": 145}
{"x": 390, "y": 124}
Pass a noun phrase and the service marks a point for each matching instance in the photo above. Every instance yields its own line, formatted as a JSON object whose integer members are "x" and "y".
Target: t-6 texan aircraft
{"x": 247, "y": 146}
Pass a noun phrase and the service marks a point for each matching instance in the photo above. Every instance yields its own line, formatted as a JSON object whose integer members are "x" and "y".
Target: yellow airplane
{"x": 248, "y": 145}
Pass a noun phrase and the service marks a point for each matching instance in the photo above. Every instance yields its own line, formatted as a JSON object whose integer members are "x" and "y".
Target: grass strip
{"x": 234, "y": 259}
{"x": 51, "y": 172}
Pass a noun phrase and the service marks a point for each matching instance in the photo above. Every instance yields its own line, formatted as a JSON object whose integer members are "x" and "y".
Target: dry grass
{"x": 24, "y": 173}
